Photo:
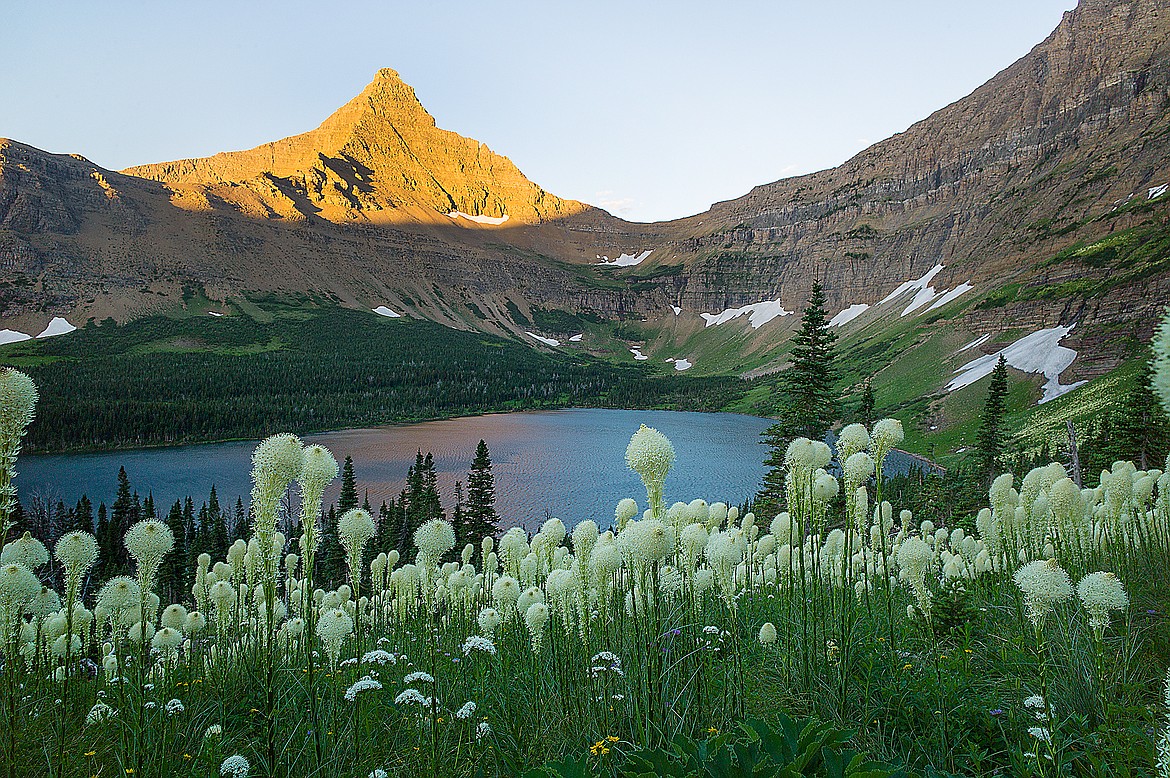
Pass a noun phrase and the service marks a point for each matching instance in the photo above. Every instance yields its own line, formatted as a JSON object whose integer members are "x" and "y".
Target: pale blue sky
{"x": 651, "y": 109}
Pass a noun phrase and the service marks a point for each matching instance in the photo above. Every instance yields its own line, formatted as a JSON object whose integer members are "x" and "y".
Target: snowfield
{"x": 492, "y": 220}
{"x": 382, "y": 310}
{"x": 1039, "y": 352}
{"x": 758, "y": 314}
{"x": 848, "y": 315}
{"x": 545, "y": 341}
{"x": 625, "y": 260}
{"x": 638, "y": 355}
{"x": 681, "y": 364}
{"x": 57, "y": 326}
{"x": 13, "y": 336}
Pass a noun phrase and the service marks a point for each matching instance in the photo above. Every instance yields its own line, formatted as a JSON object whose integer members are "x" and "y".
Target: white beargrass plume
{"x": 914, "y": 558}
{"x": 77, "y": 551}
{"x": 768, "y": 634}
{"x": 1161, "y": 363}
{"x": 318, "y": 470}
{"x": 887, "y": 434}
{"x": 651, "y": 455}
{"x": 1101, "y": 593}
{"x": 25, "y": 550}
{"x": 333, "y": 628}
{"x": 853, "y": 439}
{"x": 18, "y": 587}
{"x": 1044, "y": 584}
{"x": 148, "y": 542}
{"x": 354, "y": 530}
{"x": 434, "y": 539}
{"x": 276, "y": 462}
{"x": 18, "y": 401}
{"x": 536, "y": 618}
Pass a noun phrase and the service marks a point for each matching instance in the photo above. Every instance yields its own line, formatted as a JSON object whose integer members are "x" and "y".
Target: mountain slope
{"x": 377, "y": 155}
{"x": 1037, "y": 204}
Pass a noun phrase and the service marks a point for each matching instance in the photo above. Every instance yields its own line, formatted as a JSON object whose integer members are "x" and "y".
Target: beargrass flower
{"x": 434, "y": 539}
{"x": 1044, "y": 585}
{"x": 1101, "y": 593}
{"x": 768, "y": 634}
{"x": 651, "y": 455}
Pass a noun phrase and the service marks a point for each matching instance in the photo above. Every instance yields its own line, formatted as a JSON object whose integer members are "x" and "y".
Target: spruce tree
{"x": 479, "y": 517}
{"x": 174, "y": 565}
{"x": 459, "y": 520}
{"x": 123, "y": 513}
{"x": 991, "y": 441}
{"x": 349, "y": 496}
{"x": 868, "y": 411}
{"x": 806, "y": 402}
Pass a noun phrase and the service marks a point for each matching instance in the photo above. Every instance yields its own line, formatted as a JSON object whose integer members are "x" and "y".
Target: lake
{"x": 570, "y": 463}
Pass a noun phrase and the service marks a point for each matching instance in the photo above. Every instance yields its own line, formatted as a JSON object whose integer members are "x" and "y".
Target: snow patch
{"x": 638, "y": 355}
{"x": 493, "y": 220}
{"x": 1156, "y": 191}
{"x": 925, "y": 293}
{"x": 1039, "y": 352}
{"x": 382, "y": 310}
{"x": 681, "y": 364}
{"x": 676, "y": 309}
{"x": 848, "y": 315}
{"x": 625, "y": 260}
{"x": 576, "y": 338}
{"x": 12, "y": 336}
{"x": 916, "y": 284}
{"x": 979, "y": 341}
{"x": 545, "y": 341}
{"x": 57, "y": 326}
{"x": 214, "y": 313}
{"x": 758, "y": 314}
{"x": 951, "y": 295}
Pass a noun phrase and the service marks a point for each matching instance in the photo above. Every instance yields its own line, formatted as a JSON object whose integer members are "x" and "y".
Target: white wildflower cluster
{"x": 235, "y": 767}
{"x": 1044, "y": 586}
{"x": 366, "y": 684}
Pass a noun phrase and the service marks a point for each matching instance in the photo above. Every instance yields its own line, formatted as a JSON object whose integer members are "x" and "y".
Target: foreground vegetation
{"x": 311, "y": 368}
{"x": 687, "y": 640}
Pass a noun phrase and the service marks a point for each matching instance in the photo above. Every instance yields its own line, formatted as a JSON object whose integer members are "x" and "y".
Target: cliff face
{"x": 1015, "y": 190}
{"x": 1060, "y": 148}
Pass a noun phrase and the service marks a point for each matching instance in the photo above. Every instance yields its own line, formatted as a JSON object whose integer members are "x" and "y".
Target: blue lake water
{"x": 570, "y": 463}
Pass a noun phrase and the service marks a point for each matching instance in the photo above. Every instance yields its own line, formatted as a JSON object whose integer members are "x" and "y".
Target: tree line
{"x": 214, "y": 526}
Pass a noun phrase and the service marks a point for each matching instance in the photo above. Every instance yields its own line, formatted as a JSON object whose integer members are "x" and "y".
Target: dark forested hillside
{"x": 161, "y": 380}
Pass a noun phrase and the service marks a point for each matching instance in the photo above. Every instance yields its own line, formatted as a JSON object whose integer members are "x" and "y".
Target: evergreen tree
{"x": 217, "y": 534}
{"x": 148, "y": 507}
{"x": 480, "y": 518}
{"x": 992, "y": 439}
{"x": 1142, "y": 429}
{"x": 330, "y": 554}
{"x": 349, "y": 496}
{"x": 239, "y": 527}
{"x": 459, "y": 520}
{"x": 123, "y": 513}
{"x": 83, "y": 515}
{"x": 806, "y": 402}
{"x": 172, "y": 572}
{"x": 868, "y": 411}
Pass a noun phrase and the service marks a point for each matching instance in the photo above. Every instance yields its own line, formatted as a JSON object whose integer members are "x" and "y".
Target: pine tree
{"x": 868, "y": 411}
{"x": 991, "y": 441}
{"x": 123, "y": 513}
{"x": 480, "y": 518}
{"x": 83, "y": 515}
{"x": 217, "y": 533}
{"x": 330, "y": 554}
{"x": 349, "y": 496}
{"x": 806, "y": 398}
{"x": 174, "y": 565}
{"x": 459, "y": 519}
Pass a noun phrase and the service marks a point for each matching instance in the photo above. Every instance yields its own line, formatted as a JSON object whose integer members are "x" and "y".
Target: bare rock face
{"x": 1009, "y": 189}
{"x": 380, "y": 152}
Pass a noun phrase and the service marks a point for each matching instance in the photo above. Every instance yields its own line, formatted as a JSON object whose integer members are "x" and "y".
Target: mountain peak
{"x": 379, "y": 156}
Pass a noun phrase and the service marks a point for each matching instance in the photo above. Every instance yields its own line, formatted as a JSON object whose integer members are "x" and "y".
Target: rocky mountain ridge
{"x": 1013, "y": 190}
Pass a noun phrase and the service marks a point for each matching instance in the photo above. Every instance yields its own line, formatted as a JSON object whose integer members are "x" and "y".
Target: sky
{"x": 652, "y": 110}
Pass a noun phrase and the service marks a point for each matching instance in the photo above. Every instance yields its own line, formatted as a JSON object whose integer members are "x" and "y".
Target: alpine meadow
{"x": 862, "y": 474}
